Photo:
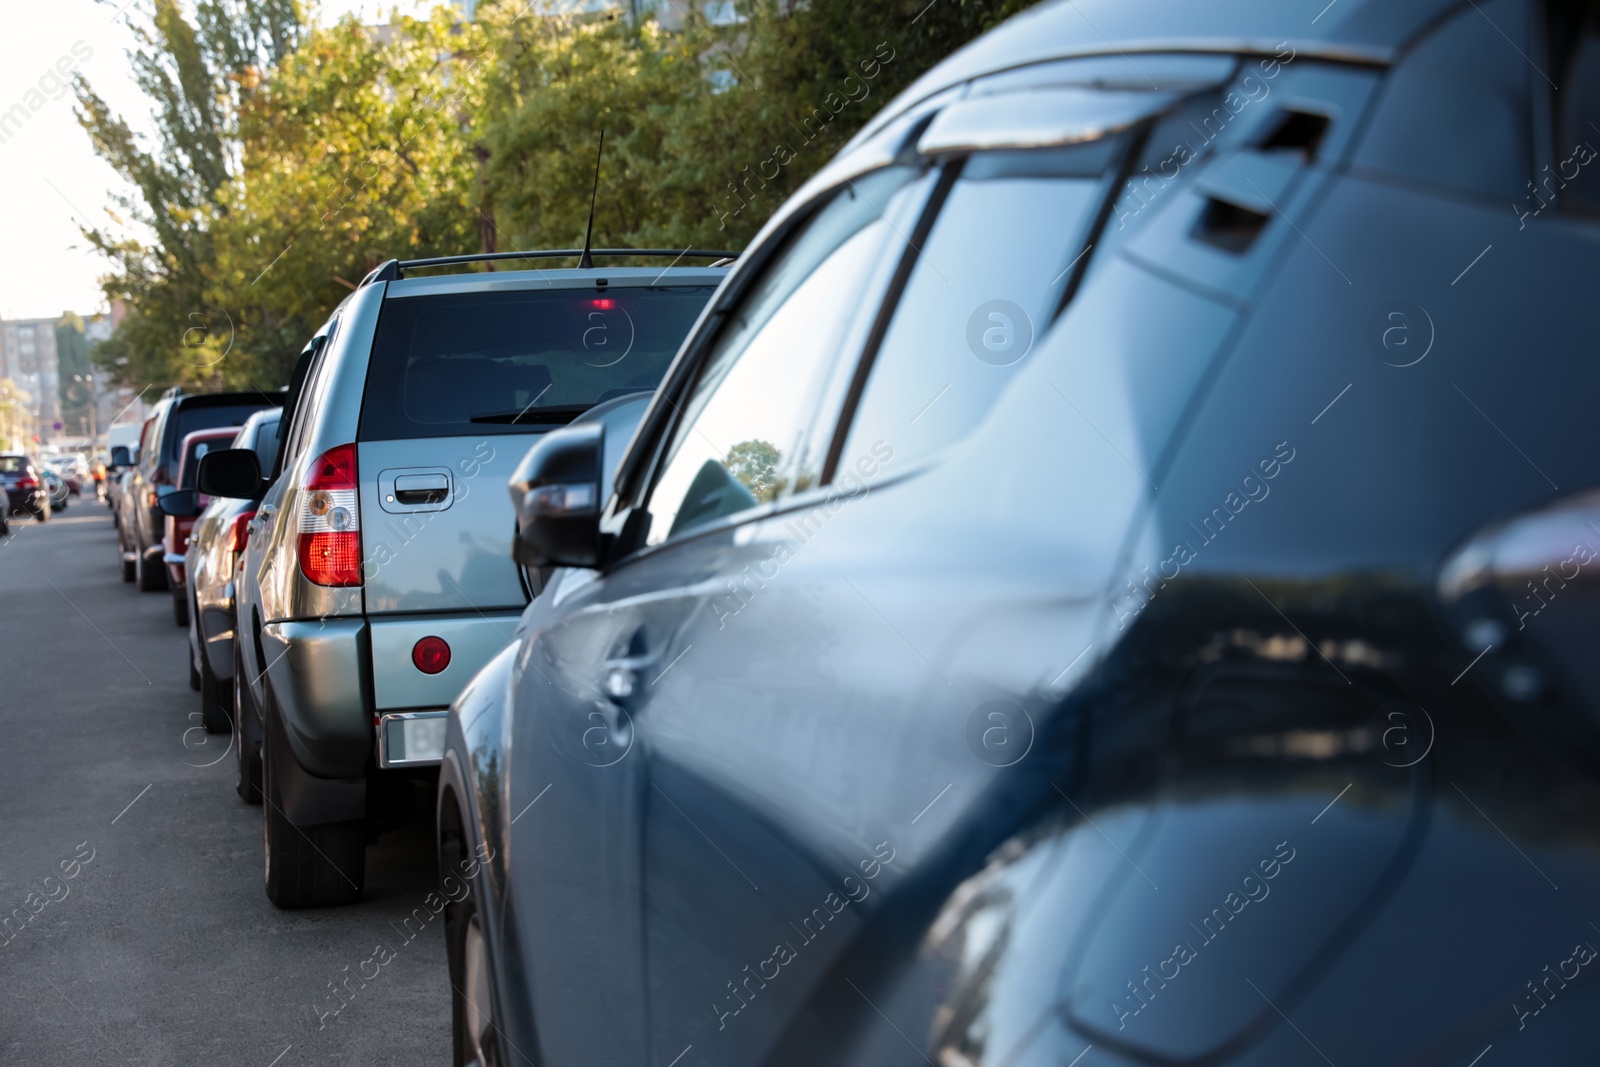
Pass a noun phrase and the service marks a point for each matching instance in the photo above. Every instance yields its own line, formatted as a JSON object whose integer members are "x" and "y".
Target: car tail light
{"x": 239, "y": 531}
{"x": 431, "y": 655}
{"x": 27, "y": 482}
{"x": 330, "y": 520}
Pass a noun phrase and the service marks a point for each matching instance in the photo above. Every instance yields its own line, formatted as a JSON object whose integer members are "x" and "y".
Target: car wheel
{"x": 195, "y": 681}
{"x": 247, "y": 752}
{"x": 128, "y": 565}
{"x": 43, "y": 514}
{"x": 180, "y": 606}
{"x": 306, "y": 866}
{"x": 151, "y": 579}
{"x": 474, "y": 1036}
{"x": 216, "y": 708}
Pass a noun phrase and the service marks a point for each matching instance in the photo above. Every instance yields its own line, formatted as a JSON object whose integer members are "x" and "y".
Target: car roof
{"x": 556, "y": 278}
{"x": 1368, "y": 32}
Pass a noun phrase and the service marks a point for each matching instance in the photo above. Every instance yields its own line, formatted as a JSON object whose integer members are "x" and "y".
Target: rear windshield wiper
{"x": 557, "y": 415}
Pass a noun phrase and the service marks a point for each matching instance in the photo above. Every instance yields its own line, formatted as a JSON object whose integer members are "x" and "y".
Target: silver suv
{"x": 377, "y": 577}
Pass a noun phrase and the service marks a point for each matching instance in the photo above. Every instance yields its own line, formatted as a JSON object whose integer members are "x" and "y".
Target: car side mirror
{"x": 180, "y": 503}
{"x": 231, "y": 472}
{"x": 556, "y": 493}
{"x": 121, "y": 457}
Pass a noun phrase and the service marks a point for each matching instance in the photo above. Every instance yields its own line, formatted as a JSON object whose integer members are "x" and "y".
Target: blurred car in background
{"x": 1055, "y": 612}
{"x": 176, "y": 415}
{"x": 218, "y": 537}
{"x": 56, "y": 486}
{"x": 176, "y": 528}
{"x": 73, "y": 469}
{"x": 118, "y": 464}
{"x": 24, "y": 482}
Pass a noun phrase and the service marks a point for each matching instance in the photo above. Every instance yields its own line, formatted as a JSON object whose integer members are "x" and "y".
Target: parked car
{"x": 1055, "y": 611}
{"x": 120, "y": 464}
{"x": 217, "y": 539}
{"x": 175, "y": 416}
{"x": 376, "y": 579}
{"x": 72, "y": 468}
{"x": 179, "y": 522}
{"x": 22, "y": 478}
{"x": 56, "y": 486}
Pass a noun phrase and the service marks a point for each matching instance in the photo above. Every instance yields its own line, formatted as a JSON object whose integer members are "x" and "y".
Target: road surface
{"x": 148, "y": 938}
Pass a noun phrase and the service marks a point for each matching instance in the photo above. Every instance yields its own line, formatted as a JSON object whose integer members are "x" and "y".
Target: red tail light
{"x": 330, "y": 520}
{"x": 27, "y": 482}
{"x": 239, "y": 532}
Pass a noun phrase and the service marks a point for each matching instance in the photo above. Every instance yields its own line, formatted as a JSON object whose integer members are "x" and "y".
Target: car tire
{"x": 128, "y": 572}
{"x": 43, "y": 514}
{"x": 195, "y": 681}
{"x": 150, "y": 579}
{"x": 216, "y": 707}
{"x": 247, "y": 750}
{"x": 474, "y": 1035}
{"x": 180, "y": 606}
{"x": 319, "y": 866}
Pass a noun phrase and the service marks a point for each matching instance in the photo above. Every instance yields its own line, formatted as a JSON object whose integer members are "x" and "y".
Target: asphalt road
{"x": 161, "y": 948}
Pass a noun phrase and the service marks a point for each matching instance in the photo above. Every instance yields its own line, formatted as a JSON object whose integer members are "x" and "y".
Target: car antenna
{"x": 586, "y": 261}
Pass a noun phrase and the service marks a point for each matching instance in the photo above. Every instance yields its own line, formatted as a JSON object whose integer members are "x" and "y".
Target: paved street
{"x": 152, "y": 941}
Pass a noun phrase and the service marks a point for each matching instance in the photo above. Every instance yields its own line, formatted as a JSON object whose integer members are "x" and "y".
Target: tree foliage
{"x": 289, "y": 160}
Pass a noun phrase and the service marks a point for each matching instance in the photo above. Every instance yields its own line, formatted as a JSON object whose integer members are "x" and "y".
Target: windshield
{"x": 474, "y": 363}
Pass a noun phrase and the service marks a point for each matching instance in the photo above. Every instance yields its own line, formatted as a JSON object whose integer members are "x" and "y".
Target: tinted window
{"x": 1576, "y": 174}
{"x": 191, "y": 460}
{"x": 12, "y": 464}
{"x": 469, "y": 363}
{"x": 741, "y": 424}
{"x": 982, "y": 291}
{"x": 192, "y": 417}
{"x": 264, "y": 444}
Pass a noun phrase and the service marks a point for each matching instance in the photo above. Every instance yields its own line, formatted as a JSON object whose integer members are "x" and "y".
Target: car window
{"x": 12, "y": 464}
{"x": 739, "y": 426}
{"x": 984, "y": 287}
{"x": 264, "y": 444}
{"x": 147, "y": 434}
{"x": 309, "y": 402}
{"x": 192, "y": 417}
{"x": 1576, "y": 171}
{"x": 456, "y": 364}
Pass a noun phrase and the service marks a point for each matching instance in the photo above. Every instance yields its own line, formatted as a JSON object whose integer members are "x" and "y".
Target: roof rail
{"x": 400, "y": 267}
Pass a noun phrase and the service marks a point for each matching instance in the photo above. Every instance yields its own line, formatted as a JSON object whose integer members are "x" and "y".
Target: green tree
{"x": 755, "y": 464}
{"x": 196, "y": 74}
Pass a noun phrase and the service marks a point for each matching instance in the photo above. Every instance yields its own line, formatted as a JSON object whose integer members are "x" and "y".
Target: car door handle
{"x": 623, "y": 679}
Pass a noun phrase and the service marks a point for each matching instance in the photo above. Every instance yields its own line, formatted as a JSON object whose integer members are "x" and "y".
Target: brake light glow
{"x": 603, "y": 303}
{"x": 27, "y": 482}
{"x": 330, "y": 520}
{"x": 430, "y": 655}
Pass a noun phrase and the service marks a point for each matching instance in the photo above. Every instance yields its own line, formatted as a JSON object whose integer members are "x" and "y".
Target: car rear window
{"x": 12, "y": 464}
{"x": 190, "y": 467}
{"x": 504, "y": 362}
{"x": 191, "y": 417}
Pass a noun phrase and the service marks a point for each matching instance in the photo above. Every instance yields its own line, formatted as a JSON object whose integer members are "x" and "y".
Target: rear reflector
{"x": 330, "y": 520}
{"x": 431, "y": 655}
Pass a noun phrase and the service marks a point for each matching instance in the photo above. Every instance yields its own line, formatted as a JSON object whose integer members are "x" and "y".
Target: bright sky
{"x": 50, "y": 178}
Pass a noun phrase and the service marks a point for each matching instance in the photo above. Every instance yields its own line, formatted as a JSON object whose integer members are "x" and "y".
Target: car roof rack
{"x": 395, "y": 269}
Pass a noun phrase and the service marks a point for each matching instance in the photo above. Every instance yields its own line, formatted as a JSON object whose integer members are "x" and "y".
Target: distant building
{"x": 28, "y": 357}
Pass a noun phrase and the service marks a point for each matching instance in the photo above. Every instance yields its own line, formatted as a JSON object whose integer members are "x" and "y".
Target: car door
{"x": 577, "y": 860}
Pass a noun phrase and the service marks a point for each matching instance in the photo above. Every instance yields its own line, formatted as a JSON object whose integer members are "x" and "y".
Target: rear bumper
{"x": 332, "y": 678}
{"x": 317, "y": 670}
{"x": 474, "y": 640}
